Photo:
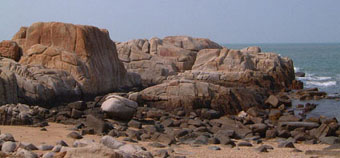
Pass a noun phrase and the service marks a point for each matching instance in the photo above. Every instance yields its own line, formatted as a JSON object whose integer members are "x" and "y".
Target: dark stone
{"x": 274, "y": 114}
{"x": 87, "y": 131}
{"x": 168, "y": 140}
{"x": 113, "y": 133}
{"x": 210, "y": 114}
{"x": 162, "y": 153}
{"x": 196, "y": 122}
{"x": 330, "y": 140}
{"x": 300, "y": 74}
{"x": 245, "y": 144}
{"x": 286, "y": 144}
{"x": 283, "y": 134}
{"x": 181, "y": 133}
{"x": 201, "y": 129}
{"x": 75, "y": 135}
{"x": 297, "y": 150}
{"x": 135, "y": 124}
{"x": 226, "y": 133}
{"x": 294, "y": 125}
{"x": 264, "y": 148}
{"x": 225, "y": 140}
{"x": 76, "y": 113}
{"x": 272, "y": 133}
{"x": 168, "y": 122}
{"x": 78, "y": 105}
{"x": 128, "y": 139}
{"x": 133, "y": 134}
{"x": 181, "y": 113}
{"x": 150, "y": 129}
{"x": 259, "y": 128}
{"x": 289, "y": 118}
{"x": 201, "y": 140}
{"x": 99, "y": 125}
{"x": 62, "y": 143}
{"x": 213, "y": 140}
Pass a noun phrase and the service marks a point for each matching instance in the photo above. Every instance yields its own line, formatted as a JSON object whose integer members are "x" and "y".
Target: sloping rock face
{"x": 10, "y": 49}
{"x": 189, "y": 95}
{"x": 86, "y": 52}
{"x": 234, "y": 68}
{"x": 156, "y": 59}
{"x": 35, "y": 84}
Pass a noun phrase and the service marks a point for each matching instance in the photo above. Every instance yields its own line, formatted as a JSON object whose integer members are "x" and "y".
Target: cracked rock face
{"x": 86, "y": 52}
{"x": 156, "y": 59}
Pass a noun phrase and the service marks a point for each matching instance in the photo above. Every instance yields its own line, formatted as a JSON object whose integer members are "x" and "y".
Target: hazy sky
{"x": 224, "y": 21}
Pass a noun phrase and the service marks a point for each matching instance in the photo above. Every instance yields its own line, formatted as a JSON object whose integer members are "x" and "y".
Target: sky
{"x": 223, "y": 21}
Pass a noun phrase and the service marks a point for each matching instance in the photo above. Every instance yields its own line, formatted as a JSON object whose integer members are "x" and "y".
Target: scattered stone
{"x": 128, "y": 139}
{"x": 8, "y": 147}
{"x": 247, "y": 144}
{"x": 43, "y": 129}
{"x": 214, "y": 148}
{"x": 56, "y": 148}
{"x": 162, "y": 153}
{"x": 99, "y": 125}
{"x": 7, "y": 137}
{"x": 45, "y": 147}
{"x": 49, "y": 155}
{"x": 330, "y": 140}
{"x": 296, "y": 150}
{"x": 156, "y": 145}
{"x": 82, "y": 142}
{"x": 286, "y": 144}
{"x": 111, "y": 142}
{"x": 25, "y": 153}
{"x": 62, "y": 143}
{"x": 135, "y": 124}
{"x": 75, "y": 135}
{"x": 27, "y": 146}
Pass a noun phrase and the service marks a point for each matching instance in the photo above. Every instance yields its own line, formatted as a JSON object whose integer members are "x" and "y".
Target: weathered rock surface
{"x": 86, "y": 52}
{"x": 10, "y": 49}
{"x": 155, "y": 59}
{"x": 34, "y": 84}
{"x": 190, "y": 95}
{"x": 230, "y": 67}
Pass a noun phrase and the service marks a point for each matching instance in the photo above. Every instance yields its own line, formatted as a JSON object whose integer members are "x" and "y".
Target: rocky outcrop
{"x": 190, "y": 95}
{"x": 234, "y": 68}
{"x": 35, "y": 84}
{"x": 156, "y": 59}
{"x": 10, "y": 49}
{"x": 85, "y": 52}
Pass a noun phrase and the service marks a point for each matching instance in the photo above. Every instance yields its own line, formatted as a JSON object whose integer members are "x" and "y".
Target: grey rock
{"x": 75, "y": 135}
{"x": 8, "y": 147}
{"x": 119, "y": 107}
{"x": 26, "y": 153}
{"x": 99, "y": 125}
{"x": 45, "y": 147}
{"x": 111, "y": 142}
{"x": 49, "y": 155}
{"x": 56, "y": 148}
{"x": 135, "y": 124}
{"x": 162, "y": 153}
{"x": 7, "y": 137}
{"x": 286, "y": 144}
{"x": 156, "y": 145}
{"x": 245, "y": 144}
{"x": 330, "y": 140}
{"x": 62, "y": 143}
{"x": 27, "y": 146}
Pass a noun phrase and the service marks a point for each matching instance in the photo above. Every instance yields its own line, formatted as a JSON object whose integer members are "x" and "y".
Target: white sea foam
{"x": 321, "y": 84}
{"x": 315, "y": 78}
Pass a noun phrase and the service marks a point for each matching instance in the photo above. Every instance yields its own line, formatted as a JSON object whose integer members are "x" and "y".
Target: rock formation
{"x": 86, "y": 52}
{"x": 156, "y": 59}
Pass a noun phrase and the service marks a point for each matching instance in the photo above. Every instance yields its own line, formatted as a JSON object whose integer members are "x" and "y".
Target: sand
{"x": 56, "y": 132}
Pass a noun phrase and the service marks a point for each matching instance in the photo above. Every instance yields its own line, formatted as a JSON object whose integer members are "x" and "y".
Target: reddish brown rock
{"x": 10, "y": 49}
{"x": 86, "y": 52}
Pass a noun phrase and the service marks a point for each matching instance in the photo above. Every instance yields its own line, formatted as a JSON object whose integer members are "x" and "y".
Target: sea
{"x": 320, "y": 62}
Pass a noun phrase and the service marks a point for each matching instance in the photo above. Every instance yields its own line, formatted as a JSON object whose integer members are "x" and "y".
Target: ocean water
{"x": 320, "y": 62}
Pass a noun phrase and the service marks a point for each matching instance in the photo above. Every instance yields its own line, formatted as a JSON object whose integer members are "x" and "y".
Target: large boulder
{"x": 189, "y": 94}
{"x": 10, "y": 49}
{"x": 119, "y": 107}
{"x": 35, "y": 84}
{"x": 156, "y": 59}
{"x": 85, "y": 52}
{"x": 21, "y": 114}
